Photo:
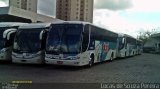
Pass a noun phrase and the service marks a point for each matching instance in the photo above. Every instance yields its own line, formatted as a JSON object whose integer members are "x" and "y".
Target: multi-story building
{"x": 30, "y": 5}
{"x": 75, "y": 10}
{"x": 22, "y": 11}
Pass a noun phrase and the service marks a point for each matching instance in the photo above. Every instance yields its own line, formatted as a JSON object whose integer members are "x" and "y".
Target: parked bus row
{"x": 64, "y": 43}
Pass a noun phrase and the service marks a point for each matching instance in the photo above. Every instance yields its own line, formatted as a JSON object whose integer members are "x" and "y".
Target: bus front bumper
{"x": 65, "y": 62}
{"x": 21, "y": 60}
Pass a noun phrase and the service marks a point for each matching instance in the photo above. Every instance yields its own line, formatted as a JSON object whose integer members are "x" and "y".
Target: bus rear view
{"x": 29, "y": 44}
{"x": 7, "y": 33}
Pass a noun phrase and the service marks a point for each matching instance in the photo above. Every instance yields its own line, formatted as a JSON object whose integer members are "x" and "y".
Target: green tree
{"x": 145, "y": 36}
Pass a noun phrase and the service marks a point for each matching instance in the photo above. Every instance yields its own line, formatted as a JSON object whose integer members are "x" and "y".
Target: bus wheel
{"x": 43, "y": 62}
{"x": 111, "y": 59}
{"x": 91, "y": 62}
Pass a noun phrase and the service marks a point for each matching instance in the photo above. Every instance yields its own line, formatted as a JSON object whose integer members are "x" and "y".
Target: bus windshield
{"x": 27, "y": 41}
{"x": 64, "y": 38}
{"x": 2, "y": 40}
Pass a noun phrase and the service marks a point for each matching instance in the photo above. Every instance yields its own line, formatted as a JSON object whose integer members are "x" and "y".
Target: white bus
{"x": 29, "y": 43}
{"x": 127, "y": 46}
{"x": 79, "y": 43}
{"x": 7, "y": 33}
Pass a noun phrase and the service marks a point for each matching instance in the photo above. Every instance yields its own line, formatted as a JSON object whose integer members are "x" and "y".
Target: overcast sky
{"x": 126, "y": 16}
{"x": 47, "y": 7}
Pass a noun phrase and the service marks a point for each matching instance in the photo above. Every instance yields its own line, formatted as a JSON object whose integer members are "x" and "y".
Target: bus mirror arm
{"x": 9, "y": 35}
{"x": 123, "y": 40}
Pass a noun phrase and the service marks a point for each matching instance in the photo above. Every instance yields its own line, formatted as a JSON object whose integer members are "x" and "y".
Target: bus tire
{"x": 91, "y": 62}
{"x": 111, "y": 59}
{"x": 43, "y": 62}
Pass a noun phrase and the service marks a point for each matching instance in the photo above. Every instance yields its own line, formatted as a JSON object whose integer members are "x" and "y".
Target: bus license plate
{"x": 60, "y": 62}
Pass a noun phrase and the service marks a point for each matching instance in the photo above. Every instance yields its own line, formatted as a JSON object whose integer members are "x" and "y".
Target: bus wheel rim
{"x": 90, "y": 63}
{"x": 111, "y": 58}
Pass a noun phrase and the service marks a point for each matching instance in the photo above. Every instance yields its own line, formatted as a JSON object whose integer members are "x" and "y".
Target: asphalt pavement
{"x": 139, "y": 69}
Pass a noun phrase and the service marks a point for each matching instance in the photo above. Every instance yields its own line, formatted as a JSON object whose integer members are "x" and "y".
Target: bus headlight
{"x": 37, "y": 54}
{"x": 3, "y": 50}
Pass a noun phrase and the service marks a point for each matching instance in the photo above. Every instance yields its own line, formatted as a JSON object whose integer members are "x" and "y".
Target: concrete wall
{"x": 154, "y": 42}
{"x": 34, "y": 17}
{"x": 151, "y": 42}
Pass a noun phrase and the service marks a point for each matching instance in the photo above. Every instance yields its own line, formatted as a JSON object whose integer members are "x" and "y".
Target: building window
{"x": 76, "y": 17}
{"x": 29, "y": 8}
{"x": 81, "y": 19}
{"x": 77, "y": 13}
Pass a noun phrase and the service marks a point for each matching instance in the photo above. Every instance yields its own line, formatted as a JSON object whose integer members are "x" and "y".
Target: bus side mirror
{"x": 123, "y": 40}
{"x": 9, "y": 35}
{"x": 41, "y": 35}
